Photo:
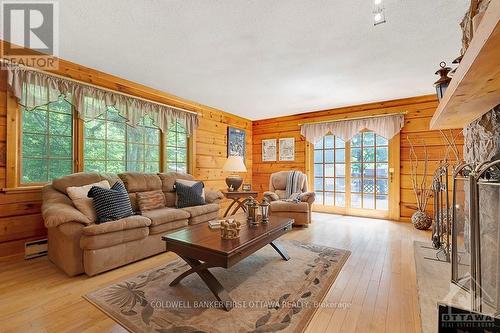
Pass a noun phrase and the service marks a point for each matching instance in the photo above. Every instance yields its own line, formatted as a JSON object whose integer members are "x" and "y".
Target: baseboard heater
{"x": 35, "y": 248}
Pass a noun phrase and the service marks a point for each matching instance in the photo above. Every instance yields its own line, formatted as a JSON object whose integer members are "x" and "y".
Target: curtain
{"x": 34, "y": 89}
{"x": 386, "y": 126}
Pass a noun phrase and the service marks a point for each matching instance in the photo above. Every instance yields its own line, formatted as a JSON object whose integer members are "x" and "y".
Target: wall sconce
{"x": 444, "y": 80}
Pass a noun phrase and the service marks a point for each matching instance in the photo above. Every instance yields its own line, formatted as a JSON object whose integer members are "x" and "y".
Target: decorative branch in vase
{"x": 420, "y": 219}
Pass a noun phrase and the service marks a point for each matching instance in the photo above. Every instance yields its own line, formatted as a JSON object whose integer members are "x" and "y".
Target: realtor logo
{"x": 31, "y": 32}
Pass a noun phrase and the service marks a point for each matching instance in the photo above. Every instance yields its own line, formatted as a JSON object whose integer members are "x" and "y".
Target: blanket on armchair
{"x": 293, "y": 188}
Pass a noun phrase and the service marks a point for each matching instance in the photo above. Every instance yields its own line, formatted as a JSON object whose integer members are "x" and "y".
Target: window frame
{"x": 14, "y": 144}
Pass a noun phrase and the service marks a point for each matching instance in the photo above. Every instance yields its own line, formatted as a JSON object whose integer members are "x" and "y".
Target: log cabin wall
{"x": 420, "y": 111}
{"x": 20, "y": 218}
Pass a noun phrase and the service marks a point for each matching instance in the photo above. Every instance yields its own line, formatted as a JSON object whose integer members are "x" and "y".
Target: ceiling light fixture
{"x": 379, "y": 16}
{"x": 378, "y": 2}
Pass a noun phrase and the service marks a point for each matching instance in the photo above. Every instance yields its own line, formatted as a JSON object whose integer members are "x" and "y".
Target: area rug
{"x": 269, "y": 294}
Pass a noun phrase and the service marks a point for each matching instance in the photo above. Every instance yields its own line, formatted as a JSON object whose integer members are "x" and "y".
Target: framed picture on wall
{"x": 287, "y": 149}
{"x": 269, "y": 150}
{"x": 236, "y": 142}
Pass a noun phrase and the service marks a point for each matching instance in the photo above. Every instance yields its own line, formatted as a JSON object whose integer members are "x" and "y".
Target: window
{"x": 176, "y": 149}
{"x": 329, "y": 171}
{"x": 369, "y": 171}
{"x": 110, "y": 145}
{"x": 47, "y": 142}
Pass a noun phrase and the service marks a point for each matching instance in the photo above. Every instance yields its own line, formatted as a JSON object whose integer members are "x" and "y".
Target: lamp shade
{"x": 234, "y": 164}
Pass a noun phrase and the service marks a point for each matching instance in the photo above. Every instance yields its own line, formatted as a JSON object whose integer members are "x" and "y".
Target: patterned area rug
{"x": 269, "y": 294}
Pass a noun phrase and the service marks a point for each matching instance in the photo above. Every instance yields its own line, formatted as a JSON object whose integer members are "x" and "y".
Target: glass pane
{"x": 34, "y": 170}
{"x": 94, "y": 150}
{"x": 181, "y": 155}
{"x": 95, "y": 166}
{"x": 181, "y": 140}
{"x": 340, "y": 155}
{"x": 152, "y": 135}
{"x": 340, "y": 184}
{"x": 329, "y": 199}
{"x": 339, "y": 143}
{"x": 152, "y": 154}
{"x": 356, "y": 169}
{"x": 368, "y": 139}
{"x": 319, "y": 144}
{"x": 318, "y": 156}
{"x": 134, "y": 152}
{"x": 329, "y": 170}
{"x": 135, "y": 166}
{"x": 35, "y": 121}
{"x": 318, "y": 184}
{"x": 339, "y": 170}
{"x": 340, "y": 199}
{"x": 135, "y": 134}
{"x": 318, "y": 170}
{"x": 172, "y": 155}
{"x": 382, "y": 154}
{"x": 171, "y": 167}
{"x": 356, "y": 155}
{"x": 368, "y": 201}
{"x": 95, "y": 129}
{"x": 329, "y": 184}
{"x": 356, "y": 185}
{"x": 115, "y": 131}
{"x": 369, "y": 185}
{"x": 115, "y": 151}
{"x": 355, "y": 200}
{"x": 62, "y": 105}
{"x": 382, "y": 186}
{"x": 152, "y": 167}
{"x": 115, "y": 166}
{"x": 382, "y": 202}
{"x": 182, "y": 167}
{"x": 382, "y": 170}
{"x": 319, "y": 198}
{"x": 59, "y": 168}
{"x": 60, "y": 124}
{"x": 368, "y": 169}
{"x": 60, "y": 146}
{"x": 381, "y": 141}
{"x": 356, "y": 140}
{"x": 34, "y": 145}
{"x": 329, "y": 156}
{"x": 368, "y": 154}
{"x": 329, "y": 141}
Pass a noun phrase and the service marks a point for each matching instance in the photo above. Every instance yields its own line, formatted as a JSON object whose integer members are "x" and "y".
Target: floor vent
{"x": 35, "y": 249}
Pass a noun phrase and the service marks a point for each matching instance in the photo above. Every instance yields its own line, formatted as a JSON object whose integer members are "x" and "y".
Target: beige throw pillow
{"x": 150, "y": 200}
{"x": 84, "y": 204}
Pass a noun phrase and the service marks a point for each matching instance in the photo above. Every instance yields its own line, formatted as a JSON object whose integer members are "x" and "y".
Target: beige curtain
{"x": 34, "y": 89}
{"x": 386, "y": 126}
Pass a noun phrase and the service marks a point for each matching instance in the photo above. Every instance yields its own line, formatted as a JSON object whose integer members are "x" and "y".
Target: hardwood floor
{"x": 377, "y": 284}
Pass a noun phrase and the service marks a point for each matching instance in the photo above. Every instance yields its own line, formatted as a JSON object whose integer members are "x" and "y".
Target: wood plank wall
{"x": 20, "y": 218}
{"x": 420, "y": 111}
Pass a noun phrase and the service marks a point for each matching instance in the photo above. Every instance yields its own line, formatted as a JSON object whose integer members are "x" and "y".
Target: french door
{"x": 358, "y": 177}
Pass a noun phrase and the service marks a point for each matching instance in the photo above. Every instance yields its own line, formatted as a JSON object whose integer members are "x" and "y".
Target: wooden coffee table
{"x": 203, "y": 248}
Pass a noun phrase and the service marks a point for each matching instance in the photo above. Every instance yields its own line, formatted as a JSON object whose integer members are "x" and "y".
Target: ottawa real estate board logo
{"x": 30, "y": 33}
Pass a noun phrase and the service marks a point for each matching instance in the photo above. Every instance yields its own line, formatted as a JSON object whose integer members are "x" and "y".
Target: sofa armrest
{"x": 308, "y": 197}
{"x": 57, "y": 209}
{"x": 271, "y": 196}
{"x": 213, "y": 196}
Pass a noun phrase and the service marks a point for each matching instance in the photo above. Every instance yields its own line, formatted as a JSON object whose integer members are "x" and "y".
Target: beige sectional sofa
{"x": 77, "y": 245}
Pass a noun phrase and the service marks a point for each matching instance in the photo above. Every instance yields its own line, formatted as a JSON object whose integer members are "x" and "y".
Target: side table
{"x": 239, "y": 199}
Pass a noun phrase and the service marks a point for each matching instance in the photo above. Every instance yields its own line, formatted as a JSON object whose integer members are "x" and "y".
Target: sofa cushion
{"x": 168, "y": 180}
{"x": 57, "y": 209}
{"x": 150, "y": 200}
{"x": 140, "y": 182}
{"x": 78, "y": 195}
{"x": 189, "y": 195}
{"x": 100, "y": 241}
{"x": 130, "y": 222}
{"x": 170, "y": 198}
{"x": 204, "y": 218}
{"x": 200, "y": 210}
{"x": 286, "y": 206}
{"x": 111, "y": 204}
{"x": 165, "y": 215}
{"x": 76, "y": 179}
{"x": 166, "y": 227}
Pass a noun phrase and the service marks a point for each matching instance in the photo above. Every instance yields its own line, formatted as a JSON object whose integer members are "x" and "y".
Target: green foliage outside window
{"x": 176, "y": 143}
{"x": 47, "y": 144}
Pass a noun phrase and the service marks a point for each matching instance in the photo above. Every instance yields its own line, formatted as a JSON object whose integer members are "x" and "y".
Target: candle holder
{"x": 264, "y": 210}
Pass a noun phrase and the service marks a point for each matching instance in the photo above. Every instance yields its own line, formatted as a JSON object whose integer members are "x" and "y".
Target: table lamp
{"x": 234, "y": 164}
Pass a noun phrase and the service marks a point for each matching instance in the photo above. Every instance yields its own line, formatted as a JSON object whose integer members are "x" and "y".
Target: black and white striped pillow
{"x": 111, "y": 204}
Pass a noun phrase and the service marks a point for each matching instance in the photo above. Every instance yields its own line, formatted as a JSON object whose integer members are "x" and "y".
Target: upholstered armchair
{"x": 299, "y": 211}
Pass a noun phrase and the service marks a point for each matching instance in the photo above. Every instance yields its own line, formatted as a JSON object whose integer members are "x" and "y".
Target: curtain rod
{"x": 95, "y": 86}
{"x": 355, "y": 118}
